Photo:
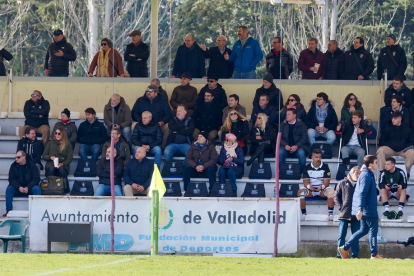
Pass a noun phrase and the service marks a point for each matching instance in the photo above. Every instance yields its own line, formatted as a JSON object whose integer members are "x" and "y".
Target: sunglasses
{"x": 58, "y": 133}
{"x": 150, "y": 90}
{"x": 292, "y": 100}
{"x": 211, "y": 81}
{"x": 352, "y": 99}
{"x": 232, "y": 114}
{"x": 227, "y": 140}
{"x": 18, "y": 157}
{"x": 34, "y": 95}
{"x": 104, "y": 44}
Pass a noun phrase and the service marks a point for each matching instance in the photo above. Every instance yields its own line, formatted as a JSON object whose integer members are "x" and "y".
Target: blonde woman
{"x": 237, "y": 124}
{"x": 60, "y": 148}
{"x": 263, "y": 138}
{"x": 108, "y": 61}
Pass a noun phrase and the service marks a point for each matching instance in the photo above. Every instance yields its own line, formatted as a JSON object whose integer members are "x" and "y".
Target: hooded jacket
{"x": 189, "y": 61}
{"x": 59, "y": 65}
{"x": 273, "y": 64}
{"x": 274, "y": 94}
{"x": 365, "y": 195}
{"x": 207, "y": 157}
{"x": 104, "y": 173}
{"x": 247, "y": 57}
{"x": 135, "y": 68}
{"x": 122, "y": 117}
{"x": 307, "y": 59}
{"x": 29, "y": 178}
{"x": 333, "y": 64}
{"x": 149, "y": 134}
{"x": 300, "y": 135}
{"x": 90, "y": 134}
{"x": 220, "y": 96}
{"x": 33, "y": 110}
{"x": 4, "y": 54}
{"x": 331, "y": 120}
{"x": 385, "y": 62}
{"x": 351, "y": 69}
{"x": 344, "y": 193}
{"x": 404, "y": 92}
{"x": 32, "y": 148}
{"x": 218, "y": 66}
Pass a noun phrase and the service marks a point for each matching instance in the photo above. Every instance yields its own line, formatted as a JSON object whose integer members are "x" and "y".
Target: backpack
{"x": 221, "y": 190}
{"x": 54, "y": 185}
{"x": 82, "y": 188}
{"x": 254, "y": 190}
{"x": 85, "y": 169}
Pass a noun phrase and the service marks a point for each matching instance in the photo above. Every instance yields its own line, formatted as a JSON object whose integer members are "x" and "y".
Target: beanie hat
{"x": 204, "y": 134}
{"x": 231, "y": 137}
{"x": 268, "y": 77}
{"x": 392, "y": 36}
{"x": 67, "y": 112}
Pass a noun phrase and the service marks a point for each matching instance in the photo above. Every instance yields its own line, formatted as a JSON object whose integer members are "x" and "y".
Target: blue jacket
{"x": 331, "y": 120}
{"x": 159, "y": 108}
{"x": 245, "y": 59}
{"x": 139, "y": 172}
{"x": 239, "y": 160}
{"x": 269, "y": 110}
{"x": 365, "y": 195}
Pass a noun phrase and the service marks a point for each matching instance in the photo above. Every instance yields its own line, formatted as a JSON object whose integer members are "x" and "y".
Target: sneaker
{"x": 331, "y": 217}
{"x": 400, "y": 214}
{"x": 343, "y": 252}
{"x": 5, "y": 214}
{"x": 386, "y": 213}
{"x": 303, "y": 217}
{"x": 378, "y": 256}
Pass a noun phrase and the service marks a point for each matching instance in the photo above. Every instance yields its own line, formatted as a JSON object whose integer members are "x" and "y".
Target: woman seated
{"x": 231, "y": 159}
{"x": 263, "y": 138}
{"x": 70, "y": 127}
{"x": 237, "y": 124}
{"x": 108, "y": 61}
{"x": 61, "y": 149}
{"x": 293, "y": 101}
{"x": 351, "y": 104}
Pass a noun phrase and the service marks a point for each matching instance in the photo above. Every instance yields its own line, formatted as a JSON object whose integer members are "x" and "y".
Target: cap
{"x": 186, "y": 75}
{"x": 268, "y": 77}
{"x": 57, "y": 32}
{"x": 135, "y": 32}
{"x": 66, "y": 111}
{"x": 213, "y": 77}
{"x": 392, "y": 36}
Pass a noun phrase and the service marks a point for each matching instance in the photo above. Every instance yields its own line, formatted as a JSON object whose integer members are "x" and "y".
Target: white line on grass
{"x": 88, "y": 266}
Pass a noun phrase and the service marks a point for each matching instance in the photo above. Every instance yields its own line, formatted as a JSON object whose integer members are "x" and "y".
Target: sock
{"x": 386, "y": 206}
{"x": 330, "y": 211}
{"x": 303, "y": 211}
{"x": 400, "y": 206}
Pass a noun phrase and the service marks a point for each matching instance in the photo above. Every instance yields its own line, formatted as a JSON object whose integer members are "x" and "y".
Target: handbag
{"x": 254, "y": 190}
{"x": 82, "y": 188}
{"x": 53, "y": 185}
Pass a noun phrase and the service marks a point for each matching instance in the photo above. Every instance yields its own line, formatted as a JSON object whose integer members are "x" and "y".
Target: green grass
{"x": 77, "y": 264}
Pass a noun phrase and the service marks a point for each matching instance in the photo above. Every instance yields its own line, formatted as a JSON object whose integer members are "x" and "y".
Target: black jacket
{"x": 404, "y": 92}
{"x": 32, "y": 148}
{"x": 406, "y": 122}
{"x": 30, "y": 177}
{"x": 274, "y": 94}
{"x": 218, "y": 66}
{"x": 385, "y": 62}
{"x": 300, "y": 135}
{"x": 269, "y": 110}
{"x": 239, "y": 128}
{"x": 135, "y": 68}
{"x": 351, "y": 69}
{"x": 4, "y": 54}
{"x": 396, "y": 137}
{"x": 59, "y": 65}
{"x": 104, "y": 173}
{"x": 300, "y": 113}
{"x": 347, "y": 130}
{"x": 344, "y": 193}
{"x": 273, "y": 64}
{"x": 139, "y": 172}
{"x": 207, "y": 117}
{"x": 333, "y": 64}
{"x": 180, "y": 130}
{"x": 220, "y": 96}
{"x": 33, "y": 110}
{"x": 331, "y": 121}
{"x": 189, "y": 61}
{"x": 90, "y": 134}
{"x": 159, "y": 108}
{"x": 147, "y": 134}
{"x": 268, "y": 134}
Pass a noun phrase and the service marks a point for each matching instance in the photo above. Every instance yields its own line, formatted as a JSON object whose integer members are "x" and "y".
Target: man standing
{"x": 32, "y": 147}
{"x": 24, "y": 179}
{"x": 189, "y": 59}
{"x": 269, "y": 88}
{"x": 273, "y": 60}
{"x": 122, "y": 116}
{"x": 364, "y": 207}
{"x": 91, "y": 135}
{"x": 358, "y": 63}
{"x": 207, "y": 117}
{"x": 333, "y": 61}
{"x": 58, "y": 55}
{"x": 233, "y": 103}
{"x": 312, "y": 61}
{"x": 137, "y": 54}
{"x": 122, "y": 148}
{"x": 103, "y": 171}
{"x": 138, "y": 174}
{"x": 220, "y": 96}
{"x": 246, "y": 55}
{"x": 218, "y": 65}
{"x": 36, "y": 111}
{"x": 344, "y": 193}
{"x": 184, "y": 94}
{"x": 391, "y": 58}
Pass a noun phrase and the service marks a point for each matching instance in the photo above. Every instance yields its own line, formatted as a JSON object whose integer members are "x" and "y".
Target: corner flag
{"x": 156, "y": 192}
{"x": 157, "y": 184}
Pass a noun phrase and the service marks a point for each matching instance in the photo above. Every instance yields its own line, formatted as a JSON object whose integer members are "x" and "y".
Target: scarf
{"x": 102, "y": 64}
{"x": 65, "y": 121}
{"x": 290, "y": 106}
{"x": 231, "y": 150}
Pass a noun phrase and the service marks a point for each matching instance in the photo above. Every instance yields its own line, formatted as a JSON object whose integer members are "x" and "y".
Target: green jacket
{"x": 65, "y": 156}
{"x": 346, "y": 115}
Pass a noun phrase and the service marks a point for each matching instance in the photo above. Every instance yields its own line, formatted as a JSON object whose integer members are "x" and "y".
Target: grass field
{"x": 76, "y": 264}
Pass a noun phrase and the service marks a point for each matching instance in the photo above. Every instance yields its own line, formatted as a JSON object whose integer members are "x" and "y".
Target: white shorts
{"x": 316, "y": 193}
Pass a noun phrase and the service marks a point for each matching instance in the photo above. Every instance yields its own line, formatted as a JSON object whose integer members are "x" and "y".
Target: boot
{"x": 253, "y": 157}
{"x": 346, "y": 161}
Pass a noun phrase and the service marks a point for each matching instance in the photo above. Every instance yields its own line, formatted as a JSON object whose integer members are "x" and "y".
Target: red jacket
{"x": 307, "y": 60}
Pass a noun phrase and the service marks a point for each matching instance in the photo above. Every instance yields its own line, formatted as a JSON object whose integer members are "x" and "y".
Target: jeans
{"x": 105, "y": 190}
{"x": 343, "y": 229}
{"x": 231, "y": 173}
{"x": 329, "y": 135}
{"x": 172, "y": 149}
{"x": 59, "y": 75}
{"x": 12, "y": 191}
{"x": 244, "y": 75}
{"x": 191, "y": 172}
{"x": 368, "y": 224}
{"x": 300, "y": 153}
{"x": 84, "y": 149}
{"x": 52, "y": 171}
{"x": 156, "y": 151}
{"x": 346, "y": 151}
{"x": 126, "y": 133}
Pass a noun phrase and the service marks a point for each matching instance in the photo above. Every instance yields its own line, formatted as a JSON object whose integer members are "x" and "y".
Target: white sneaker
{"x": 303, "y": 217}
{"x": 331, "y": 217}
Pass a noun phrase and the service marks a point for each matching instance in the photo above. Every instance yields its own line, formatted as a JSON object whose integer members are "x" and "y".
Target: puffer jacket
{"x": 59, "y": 65}
{"x": 122, "y": 117}
{"x": 365, "y": 195}
{"x": 33, "y": 110}
{"x": 333, "y": 64}
{"x": 273, "y": 64}
{"x": 150, "y": 134}
{"x": 344, "y": 193}
{"x": 268, "y": 134}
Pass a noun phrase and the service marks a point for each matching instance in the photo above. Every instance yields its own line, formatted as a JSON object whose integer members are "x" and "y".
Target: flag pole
{"x": 154, "y": 222}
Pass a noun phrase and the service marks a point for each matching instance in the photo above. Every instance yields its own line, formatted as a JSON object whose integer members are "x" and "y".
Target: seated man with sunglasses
{"x": 36, "y": 111}
{"x": 24, "y": 179}
{"x": 212, "y": 85}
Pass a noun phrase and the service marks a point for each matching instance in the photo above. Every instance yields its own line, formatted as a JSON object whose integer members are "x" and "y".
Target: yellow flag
{"x": 157, "y": 184}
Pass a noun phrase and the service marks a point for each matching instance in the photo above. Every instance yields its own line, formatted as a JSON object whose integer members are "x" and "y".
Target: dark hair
{"x": 398, "y": 78}
{"x": 243, "y": 27}
{"x": 234, "y": 96}
{"x": 369, "y": 159}
{"x": 90, "y": 110}
{"x": 297, "y": 98}
{"x": 279, "y": 39}
{"x": 316, "y": 151}
{"x": 153, "y": 87}
{"x": 346, "y": 101}
{"x": 391, "y": 159}
{"x": 210, "y": 92}
{"x": 398, "y": 98}
{"x": 358, "y": 113}
{"x": 361, "y": 40}
{"x": 109, "y": 41}
{"x": 118, "y": 131}
{"x": 313, "y": 39}
{"x": 264, "y": 95}
{"x": 27, "y": 130}
{"x": 323, "y": 96}
{"x": 396, "y": 114}
{"x": 22, "y": 152}
{"x": 292, "y": 110}
{"x": 183, "y": 106}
